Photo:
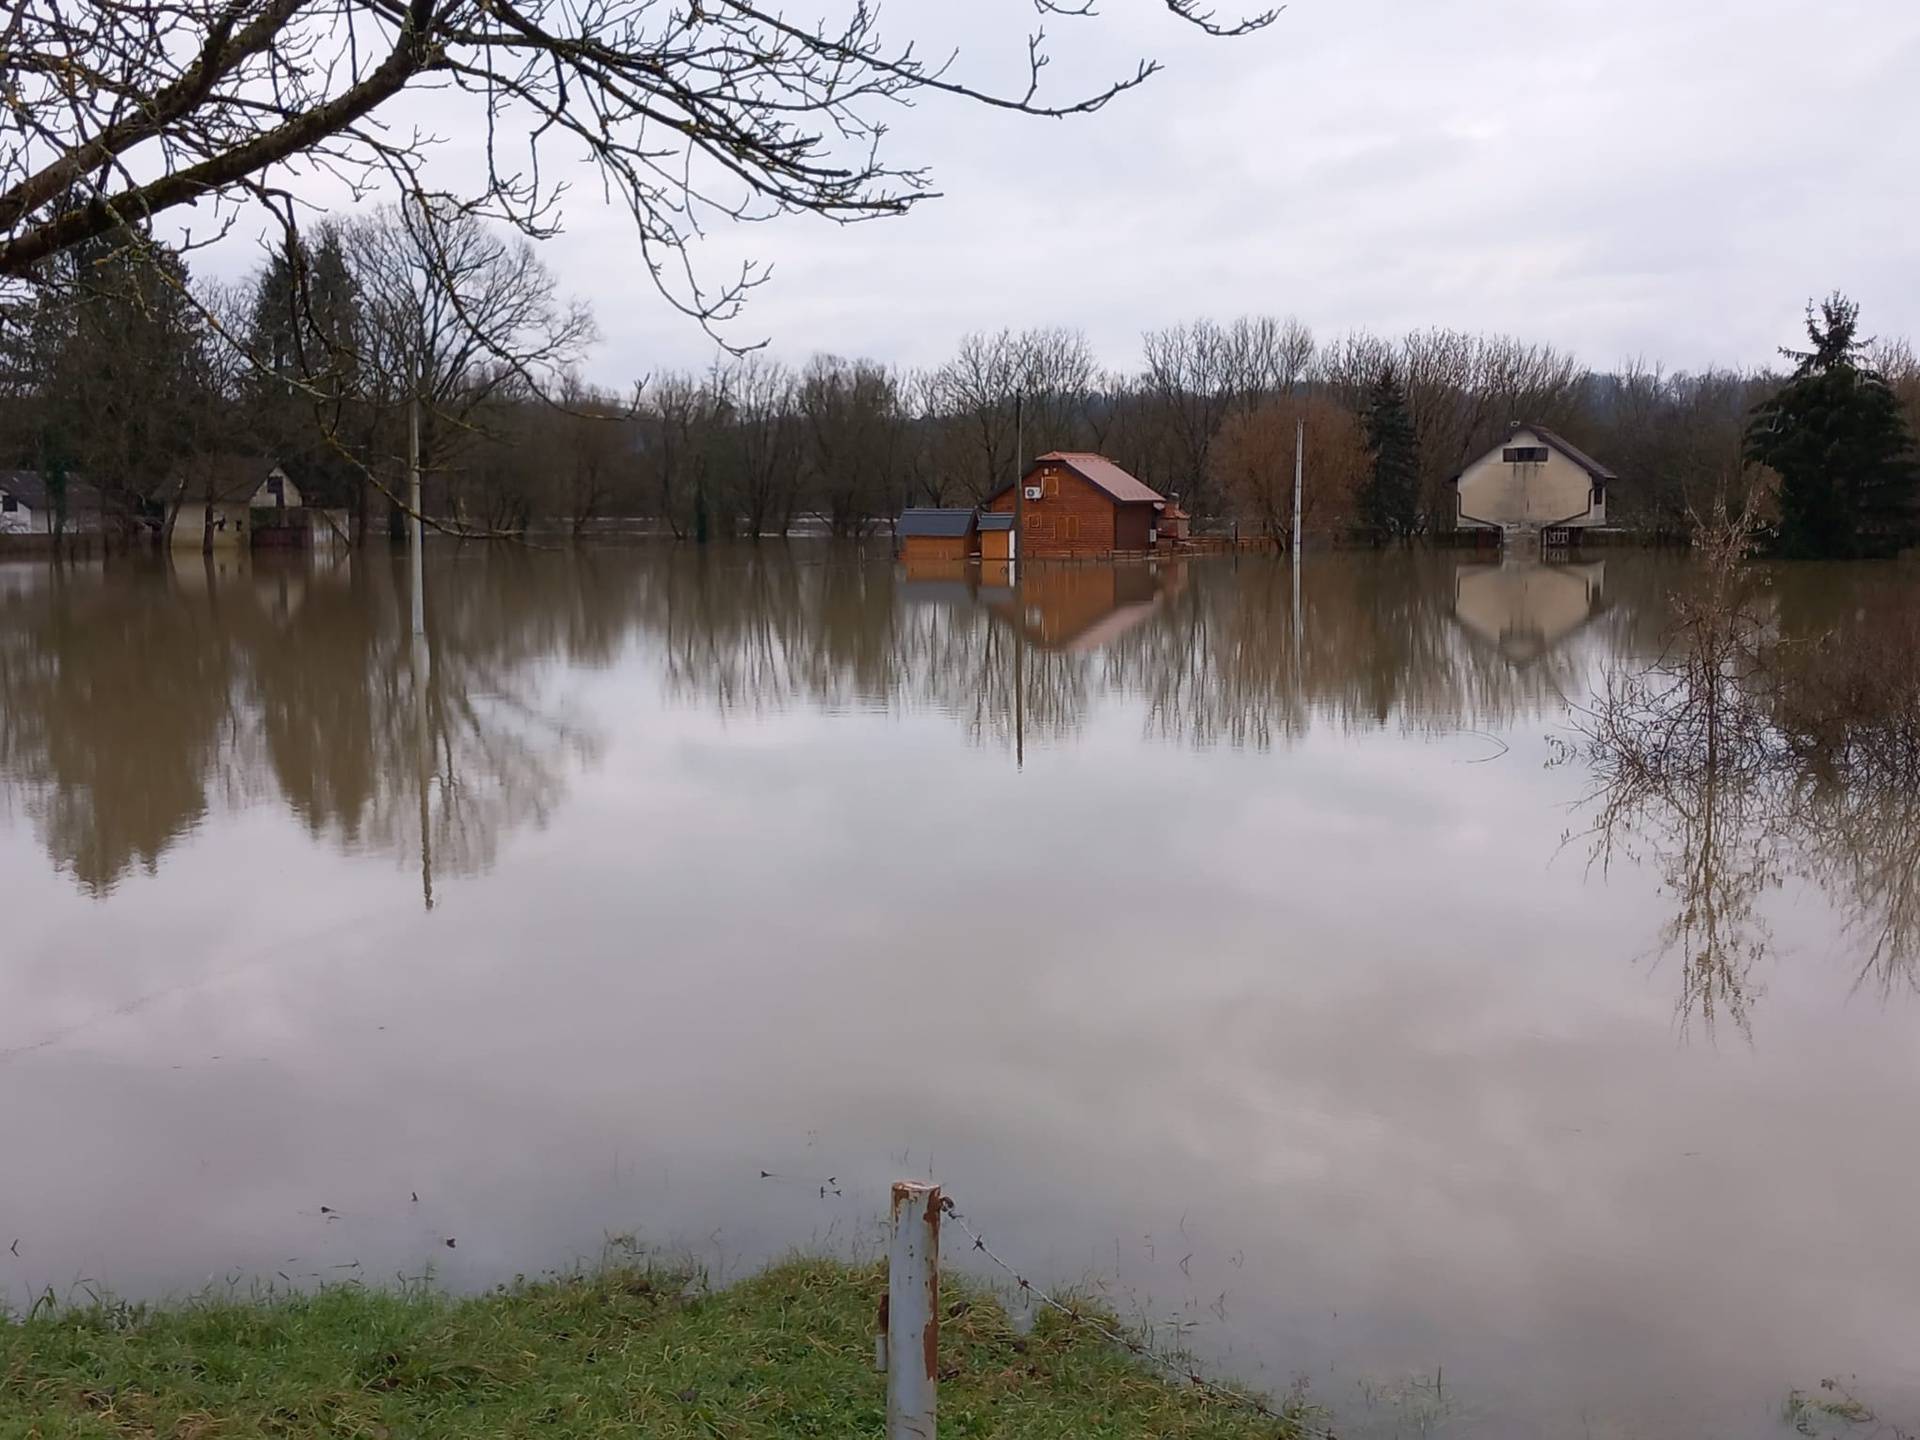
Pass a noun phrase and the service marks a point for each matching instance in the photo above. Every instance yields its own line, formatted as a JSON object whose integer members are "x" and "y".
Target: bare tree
{"x": 853, "y": 422}
{"x": 455, "y": 313}
{"x": 129, "y": 109}
{"x": 1253, "y": 466}
{"x": 1048, "y": 372}
{"x": 767, "y": 421}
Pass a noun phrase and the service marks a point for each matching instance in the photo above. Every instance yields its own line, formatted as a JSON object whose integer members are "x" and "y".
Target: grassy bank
{"x": 624, "y": 1352}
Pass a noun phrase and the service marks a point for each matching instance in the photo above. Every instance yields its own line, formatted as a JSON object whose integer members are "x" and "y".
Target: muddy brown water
{"x": 1245, "y": 960}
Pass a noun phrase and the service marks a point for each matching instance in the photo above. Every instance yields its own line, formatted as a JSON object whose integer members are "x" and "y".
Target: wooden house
{"x": 1077, "y": 505}
{"x": 1533, "y": 482}
{"x": 937, "y": 537}
{"x": 996, "y": 538}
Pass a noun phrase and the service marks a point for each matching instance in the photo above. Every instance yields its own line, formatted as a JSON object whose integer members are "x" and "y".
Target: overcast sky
{"x": 1661, "y": 178}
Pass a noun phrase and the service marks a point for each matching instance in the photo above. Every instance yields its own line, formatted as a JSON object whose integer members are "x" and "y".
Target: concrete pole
{"x": 414, "y": 526}
{"x": 913, "y": 1312}
{"x": 1299, "y": 471}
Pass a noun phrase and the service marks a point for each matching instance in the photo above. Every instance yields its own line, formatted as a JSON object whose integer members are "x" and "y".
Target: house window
{"x": 9, "y": 504}
{"x": 1050, "y": 484}
{"x": 1072, "y": 528}
{"x": 1524, "y": 455}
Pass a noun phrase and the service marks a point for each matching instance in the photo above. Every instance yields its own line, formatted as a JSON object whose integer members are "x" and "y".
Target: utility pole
{"x": 416, "y": 538}
{"x": 1299, "y": 471}
{"x": 1019, "y": 479}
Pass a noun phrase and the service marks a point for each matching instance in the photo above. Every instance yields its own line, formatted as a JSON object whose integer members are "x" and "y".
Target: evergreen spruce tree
{"x": 1835, "y": 436}
{"x": 1390, "y": 500}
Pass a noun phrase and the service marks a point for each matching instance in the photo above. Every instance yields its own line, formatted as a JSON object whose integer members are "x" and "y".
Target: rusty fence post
{"x": 912, "y": 1312}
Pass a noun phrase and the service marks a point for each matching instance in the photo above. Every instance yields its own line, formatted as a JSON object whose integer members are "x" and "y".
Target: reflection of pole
{"x": 1019, "y": 577}
{"x": 1019, "y": 678}
{"x": 423, "y": 734}
{"x": 418, "y": 540}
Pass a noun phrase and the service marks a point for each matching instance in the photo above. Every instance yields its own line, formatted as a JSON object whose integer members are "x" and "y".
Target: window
{"x": 1050, "y": 484}
{"x": 9, "y": 504}
{"x": 1524, "y": 455}
{"x": 1071, "y": 528}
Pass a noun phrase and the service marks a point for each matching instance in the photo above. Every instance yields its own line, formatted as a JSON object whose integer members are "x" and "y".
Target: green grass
{"x": 621, "y": 1352}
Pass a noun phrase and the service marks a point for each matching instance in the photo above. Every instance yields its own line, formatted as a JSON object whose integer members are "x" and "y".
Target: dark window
{"x": 9, "y": 504}
{"x": 1525, "y": 455}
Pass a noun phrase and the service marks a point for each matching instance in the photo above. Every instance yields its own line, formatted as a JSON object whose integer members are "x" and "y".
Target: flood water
{"x": 1251, "y": 961}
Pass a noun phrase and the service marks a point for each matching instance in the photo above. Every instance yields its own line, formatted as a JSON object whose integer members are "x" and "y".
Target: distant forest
{"x": 162, "y": 389}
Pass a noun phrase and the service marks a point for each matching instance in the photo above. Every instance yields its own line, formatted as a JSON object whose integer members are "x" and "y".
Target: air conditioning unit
{"x": 1034, "y": 492}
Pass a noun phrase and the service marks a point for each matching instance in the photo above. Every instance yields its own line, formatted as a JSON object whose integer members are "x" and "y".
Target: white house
{"x": 1532, "y": 481}
{"x": 222, "y": 497}
{"x": 27, "y": 505}
{"x": 276, "y": 492}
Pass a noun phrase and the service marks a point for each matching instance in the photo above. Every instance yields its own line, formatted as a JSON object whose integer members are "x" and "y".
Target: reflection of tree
{"x": 130, "y": 704}
{"x": 111, "y": 720}
{"x": 1210, "y": 648}
{"x": 1752, "y": 751}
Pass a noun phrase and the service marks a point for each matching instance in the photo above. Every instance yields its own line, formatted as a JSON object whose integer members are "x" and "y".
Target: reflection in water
{"x": 134, "y": 706}
{"x": 1524, "y": 608}
{"x": 1767, "y": 741}
{"x": 1250, "y": 952}
{"x": 1211, "y": 648}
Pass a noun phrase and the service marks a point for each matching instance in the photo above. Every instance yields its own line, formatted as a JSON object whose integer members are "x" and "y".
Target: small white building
{"x": 276, "y": 492}
{"x": 223, "y": 496}
{"x": 1532, "y": 482}
{"x": 27, "y": 505}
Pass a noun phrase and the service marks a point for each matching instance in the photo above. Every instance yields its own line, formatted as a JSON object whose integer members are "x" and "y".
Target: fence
{"x": 907, "y": 1342}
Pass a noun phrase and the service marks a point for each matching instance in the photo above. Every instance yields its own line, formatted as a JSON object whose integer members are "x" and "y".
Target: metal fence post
{"x": 913, "y": 1311}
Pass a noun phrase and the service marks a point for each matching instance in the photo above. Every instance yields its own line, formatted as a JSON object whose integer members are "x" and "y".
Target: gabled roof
{"x": 942, "y": 524}
{"x": 29, "y": 487}
{"x": 1573, "y": 452}
{"x": 1102, "y": 474}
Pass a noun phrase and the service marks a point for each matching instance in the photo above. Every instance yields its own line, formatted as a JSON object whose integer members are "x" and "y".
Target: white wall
{"x": 1493, "y": 492}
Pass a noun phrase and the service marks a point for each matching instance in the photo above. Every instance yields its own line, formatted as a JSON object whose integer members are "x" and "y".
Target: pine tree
{"x": 1835, "y": 436}
{"x": 1390, "y": 500}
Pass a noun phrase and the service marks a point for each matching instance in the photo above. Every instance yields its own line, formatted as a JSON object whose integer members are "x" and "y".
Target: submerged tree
{"x": 1835, "y": 436}
{"x": 1390, "y": 496}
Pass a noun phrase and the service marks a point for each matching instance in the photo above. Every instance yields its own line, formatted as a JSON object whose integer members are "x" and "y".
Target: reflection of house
{"x": 1524, "y": 608}
{"x": 28, "y": 505}
{"x": 1074, "y": 608}
{"x": 1079, "y": 505}
{"x": 1533, "y": 481}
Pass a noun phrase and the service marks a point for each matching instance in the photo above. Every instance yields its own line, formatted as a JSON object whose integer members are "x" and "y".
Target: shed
{"x": 996, "y": 537}
{"x": 1075, "y": 504}
{"x": 946, "y": 536}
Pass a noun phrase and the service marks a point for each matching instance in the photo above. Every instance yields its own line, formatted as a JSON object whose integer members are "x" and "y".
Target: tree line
{"x": 420, "y": 324}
